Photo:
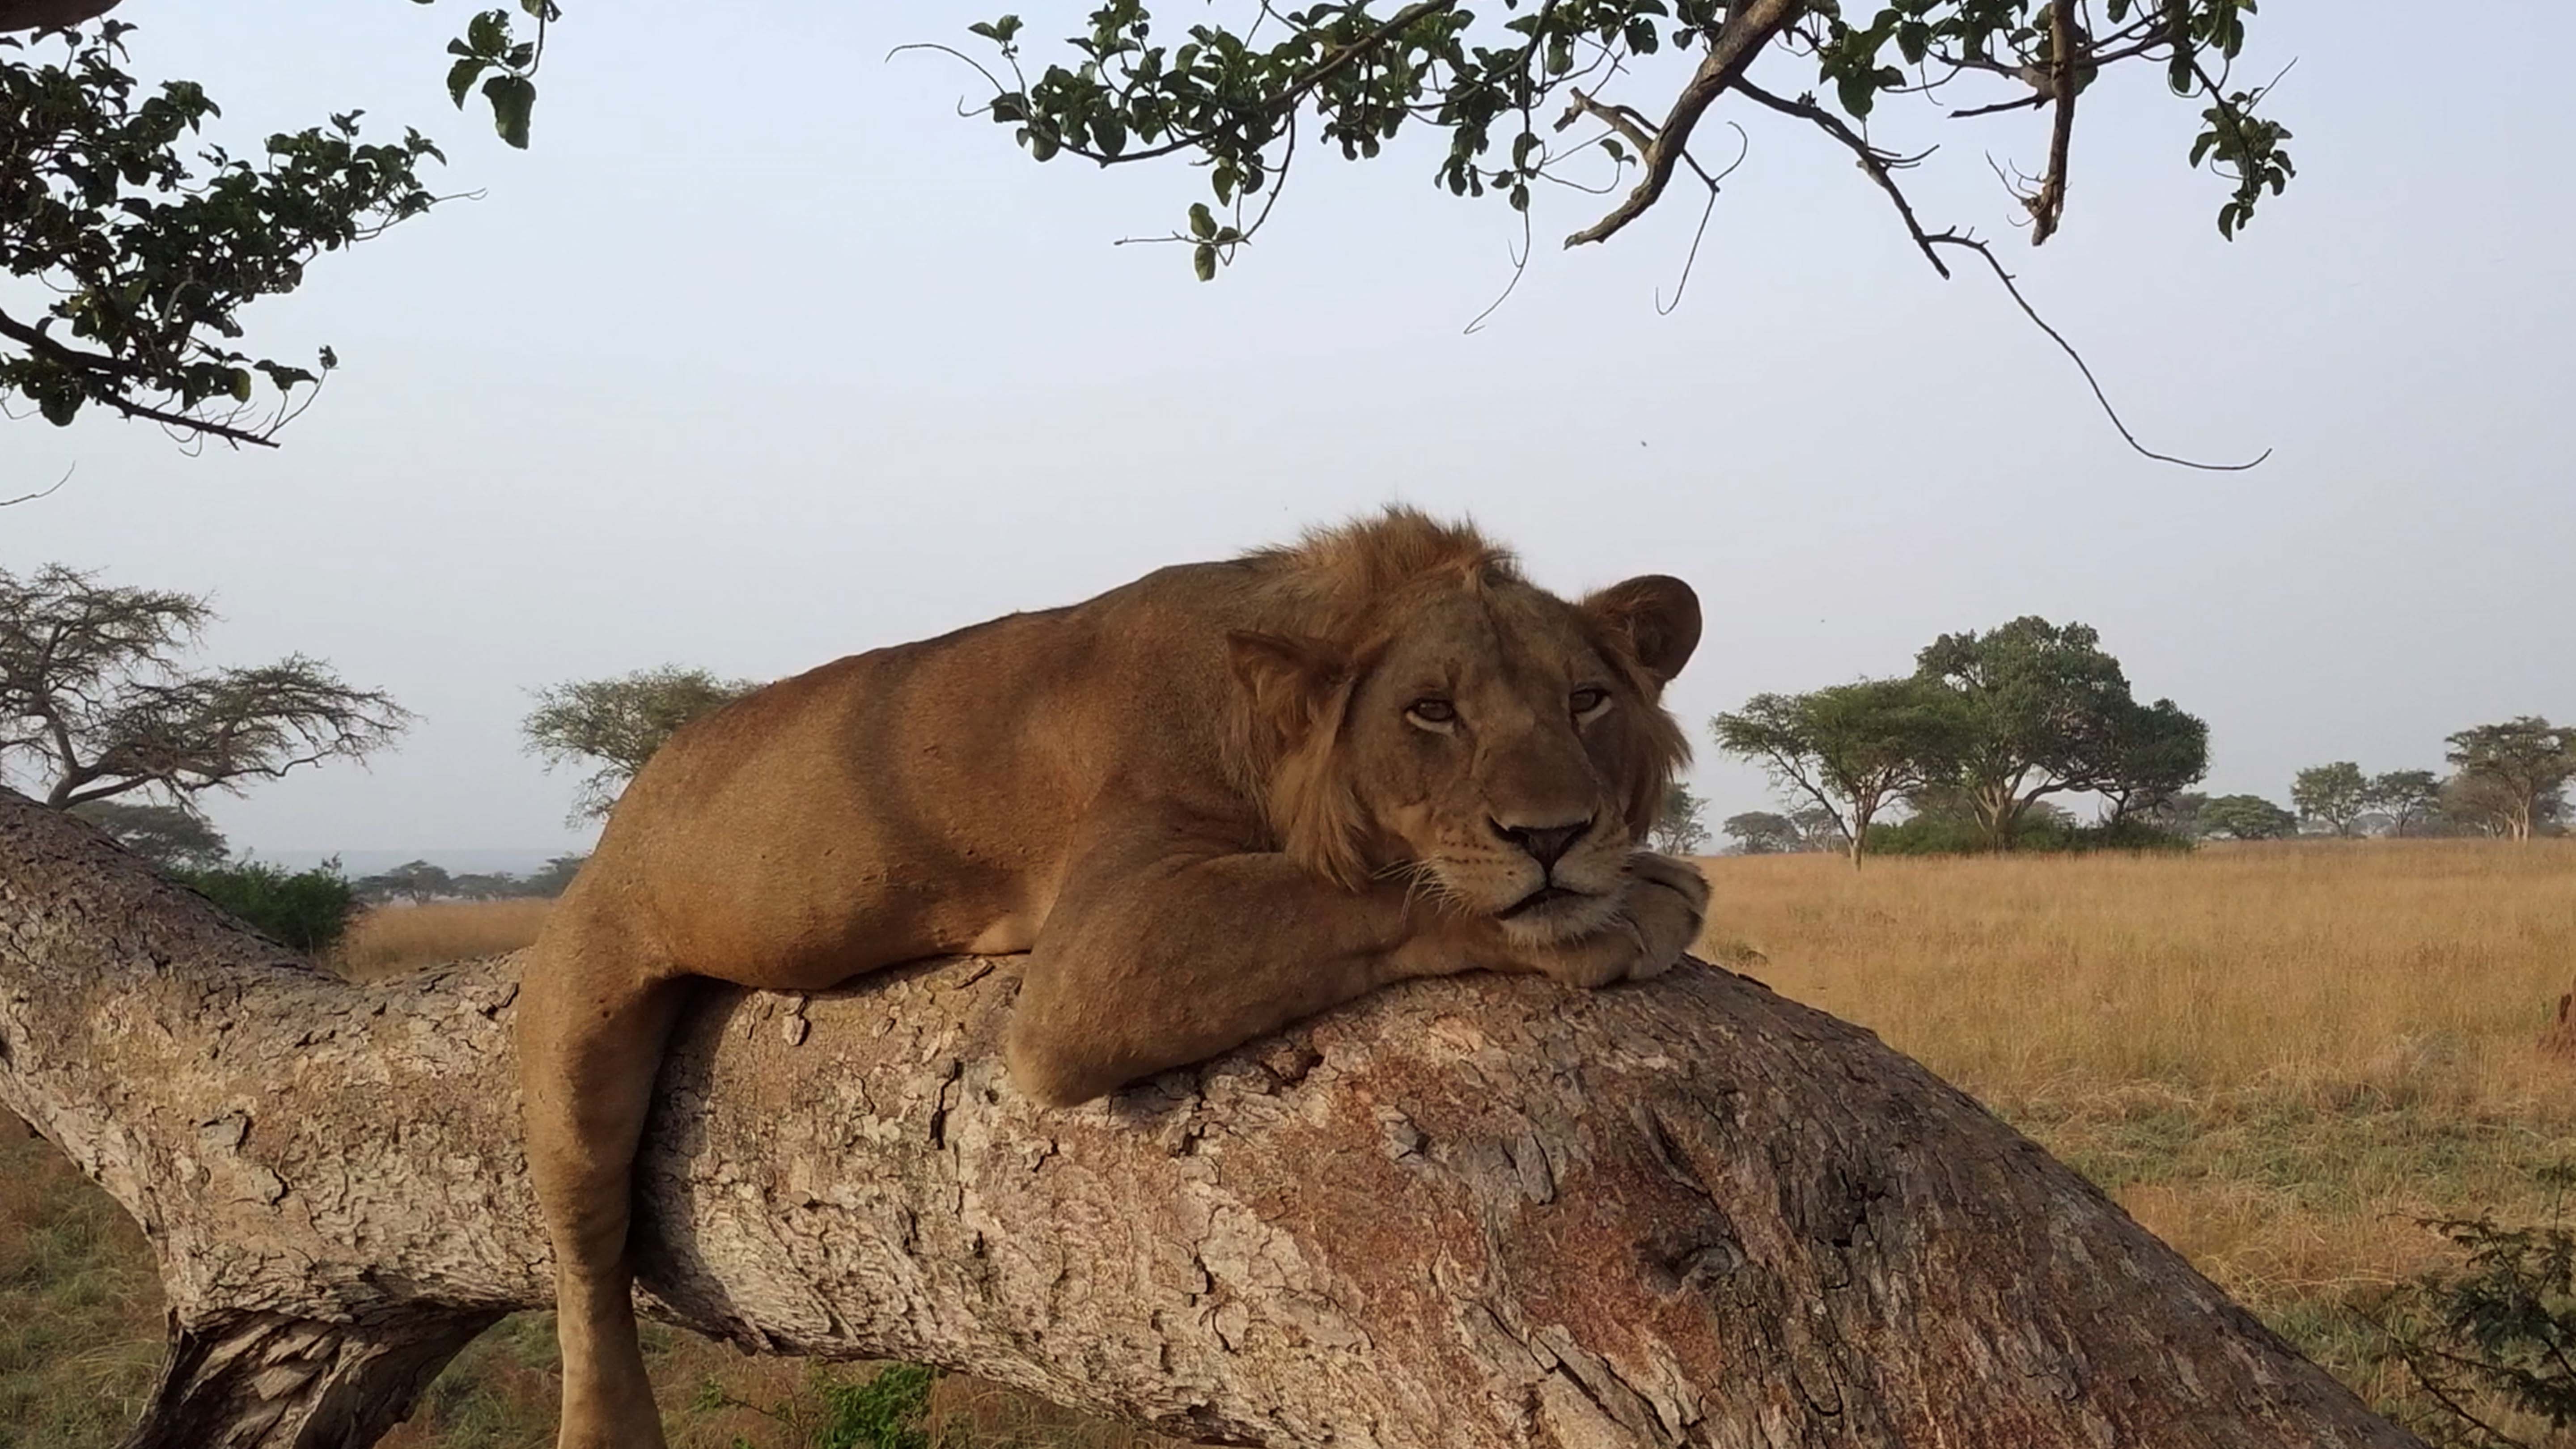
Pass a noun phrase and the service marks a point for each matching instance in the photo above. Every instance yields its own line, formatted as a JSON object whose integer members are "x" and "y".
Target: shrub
{"x": 306, "y": 910}
{"x": 1947, "y": 834}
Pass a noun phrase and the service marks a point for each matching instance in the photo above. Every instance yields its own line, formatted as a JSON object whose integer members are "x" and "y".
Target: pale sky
{"x": 762, "y": 356}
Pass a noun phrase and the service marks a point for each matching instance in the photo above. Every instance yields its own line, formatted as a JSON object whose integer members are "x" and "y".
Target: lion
{"x": 1205, "y": 804}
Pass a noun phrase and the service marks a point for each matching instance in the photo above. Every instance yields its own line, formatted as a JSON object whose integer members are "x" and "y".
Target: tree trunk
{"x": 36, "y": 14}
{"x": 1464, "y": 1214}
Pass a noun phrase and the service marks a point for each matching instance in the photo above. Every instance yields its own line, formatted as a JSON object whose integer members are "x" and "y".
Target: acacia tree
{"x": 2515, "y": 774}
{"x": 617, "y": 724}
{"x": 2049, "y": 713}
{"x": 2247, "y": 817}
{"x": 1850, "y": 748}
{"x": 1761, "y": 832}
{"x": 1679, "y": 828}
{"x": 2405, "y": 796}
{"x": 2156, "y": 751}
{"x": 96, "y": 702}
{"x": 172, "y": 837}
{"x": 2334, "y": 794}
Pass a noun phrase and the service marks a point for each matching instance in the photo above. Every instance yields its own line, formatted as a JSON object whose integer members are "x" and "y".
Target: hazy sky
{"x": 762, "y": 356}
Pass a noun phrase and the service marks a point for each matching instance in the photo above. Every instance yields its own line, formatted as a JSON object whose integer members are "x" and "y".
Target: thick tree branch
{"x": 48, "y": 14}
{"x": 1879, "y": 164}
{"x": 1748, "y": 29}
{"x": 1476, "y": 1213}
{"x": 2048, "y": 207}
{"x": 35, "y": 340}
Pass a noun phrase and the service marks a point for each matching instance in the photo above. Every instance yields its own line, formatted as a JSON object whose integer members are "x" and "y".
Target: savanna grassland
{"x": 2279, "y": 1058}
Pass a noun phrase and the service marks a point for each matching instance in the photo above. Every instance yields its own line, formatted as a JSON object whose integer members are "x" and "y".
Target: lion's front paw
{"x": 1660, "y": 910}
{"x": 1667, "y": 900}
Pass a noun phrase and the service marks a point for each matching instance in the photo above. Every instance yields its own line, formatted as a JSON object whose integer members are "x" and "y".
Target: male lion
{"x": 1218, "y": 799}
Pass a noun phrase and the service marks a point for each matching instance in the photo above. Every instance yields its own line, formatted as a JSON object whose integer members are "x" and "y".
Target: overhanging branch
{"x": 1747, "y": 31}
{"x": 1474, "y": 1213}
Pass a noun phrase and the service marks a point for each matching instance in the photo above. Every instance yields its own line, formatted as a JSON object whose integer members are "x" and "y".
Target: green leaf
{"x": 1203, "y": 261}
{"x": 1202, "y": 221}
{"x": 1858, "y": 91}
{"x": 512, "y": 97}
{"x": 461, "y": 77}
{"x": 489, "y": 32}
{"x": 241, "y": 384}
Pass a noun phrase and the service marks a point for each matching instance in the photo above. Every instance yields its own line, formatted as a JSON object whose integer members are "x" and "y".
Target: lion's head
{"x": 1418, "y": 706}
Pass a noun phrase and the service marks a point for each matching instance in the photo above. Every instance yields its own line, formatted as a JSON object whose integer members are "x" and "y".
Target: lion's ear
{"x": 1657, "y": 615}
{"x": 1289, "y": 679}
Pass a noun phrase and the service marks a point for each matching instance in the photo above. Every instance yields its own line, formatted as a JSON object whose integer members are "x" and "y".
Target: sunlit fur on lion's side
{"x": 1341, "y": 595}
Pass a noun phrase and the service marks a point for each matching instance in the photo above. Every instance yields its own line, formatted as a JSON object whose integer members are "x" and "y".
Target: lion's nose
{"x": 1546, "y": 844}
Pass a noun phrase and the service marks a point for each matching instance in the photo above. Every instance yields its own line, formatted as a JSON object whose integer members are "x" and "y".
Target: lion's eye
{"x": 1432, "y": 711}
{"x": 1589, "y": 700}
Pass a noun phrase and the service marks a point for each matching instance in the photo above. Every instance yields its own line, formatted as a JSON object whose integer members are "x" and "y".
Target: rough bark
{"x": 38, "y": 14}
{"x": 1465, "y": 1214}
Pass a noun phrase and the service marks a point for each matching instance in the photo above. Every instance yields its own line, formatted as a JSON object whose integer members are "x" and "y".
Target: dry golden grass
{"x": 2279, "y": 1058}
{"x": 2394, "y": 967}
{"x": 390, "y": 940}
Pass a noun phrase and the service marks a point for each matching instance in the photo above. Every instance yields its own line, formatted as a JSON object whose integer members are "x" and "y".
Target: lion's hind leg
{"x": 594, "y": 1017}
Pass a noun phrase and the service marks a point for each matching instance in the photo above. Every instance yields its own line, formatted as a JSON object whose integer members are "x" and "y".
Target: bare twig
{"x": 1743, "y": 148}
{"x": 42, "y": 492}
{"x": 1879, "y": 164}
{"x": 2048, "y": 207}
{"x": 1948, "y": 239}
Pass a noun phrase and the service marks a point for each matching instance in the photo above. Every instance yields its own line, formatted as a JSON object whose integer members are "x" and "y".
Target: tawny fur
{"x": 1205, "y": 804}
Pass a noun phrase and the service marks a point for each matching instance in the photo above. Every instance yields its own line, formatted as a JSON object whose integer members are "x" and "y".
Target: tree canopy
{"x": 2515, "y": 774}
{"x": 1851, "y": 748}
{"x": 172, "y": 837}
{"x": 1679, "y": 828}
{"x": 2404, "y": 796}
{"x": 2334, "y": 795}
{"x": 1633, "y": 79}
{"x": 2247, "y": 817}
{"x": 153, "y": 241}
{"x": 2049, "y": 713}
{"x": 97, "y": 701}
{"x": 617, "y": 724}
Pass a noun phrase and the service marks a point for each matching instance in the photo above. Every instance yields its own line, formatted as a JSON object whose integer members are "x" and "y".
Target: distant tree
{"x": 617, "y": 724}
{"x": 1761, "y": 832}
{"x": 1819, "y": 830}
{"x": 2515, "y": 773}
{"x": 170, "y": 836}
{"x": 416, "y": 881}
{"x": 1679, "y": 829}
{"x": 95, "y": 702}
{"x": 2404, "y": 796}
{"x": 2178, "y": 815}
{"x": 499, "y": 886}
{"x": 2047, "y": 712}
{"x": 555, "y": 877}
{"x": 2155, "y": 751}
{"x": 2247, "y": 817}
{"x": 1852, "y": 749}
{"x": 2482, "y": 805}
{"x": 2333, "y": 795}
